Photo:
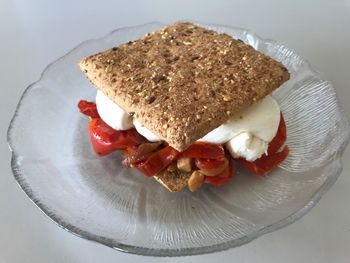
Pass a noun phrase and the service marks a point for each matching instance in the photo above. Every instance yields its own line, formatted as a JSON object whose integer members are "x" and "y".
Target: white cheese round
{"x": 261, "y": 119}
{"x": 145, "y": 132}
{"x": 247, "y": 146}
{"x": 112, "y": 114}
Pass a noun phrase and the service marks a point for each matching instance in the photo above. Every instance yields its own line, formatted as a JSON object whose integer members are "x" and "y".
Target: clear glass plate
{"x": 101, "y": 200}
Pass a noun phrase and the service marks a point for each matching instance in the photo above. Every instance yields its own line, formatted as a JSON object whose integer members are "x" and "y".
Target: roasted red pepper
{"x": 204, "y": 150}
{"x": 211, "y": 167}
{"x": 266, "y": 163}
{"x": 133, "y": 155}
{"x": 158, "y": 161}
{"x": 105, "y": 139}
{"x": 88, "y": 108}
{"x": 280, "y": 138}
{"x": 222, "y": 178}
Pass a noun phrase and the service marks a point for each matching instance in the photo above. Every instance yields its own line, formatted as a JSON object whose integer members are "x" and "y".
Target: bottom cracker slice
{"x": 173, "y": 181}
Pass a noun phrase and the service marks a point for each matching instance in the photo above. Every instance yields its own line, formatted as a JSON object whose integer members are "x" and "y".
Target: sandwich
{"x": 185, "y": 104}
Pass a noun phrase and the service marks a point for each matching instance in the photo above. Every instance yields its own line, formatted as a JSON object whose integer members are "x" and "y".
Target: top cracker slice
{"x": 184, "y": 81}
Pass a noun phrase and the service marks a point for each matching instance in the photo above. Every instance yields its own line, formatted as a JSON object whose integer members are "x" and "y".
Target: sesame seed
{"x": 226, "y": 98}
{"x": 198, "y": 117}
{"x": 108, "y": 69}
{"x": 228, "y": 112}
{"x": 165, "y": 126}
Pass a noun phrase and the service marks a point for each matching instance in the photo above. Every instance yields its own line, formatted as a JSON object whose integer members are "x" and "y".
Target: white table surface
{"x": 34, "y": 33}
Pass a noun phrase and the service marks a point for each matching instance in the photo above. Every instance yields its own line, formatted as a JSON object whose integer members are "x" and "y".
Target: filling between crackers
{"x": 245, "y": 135}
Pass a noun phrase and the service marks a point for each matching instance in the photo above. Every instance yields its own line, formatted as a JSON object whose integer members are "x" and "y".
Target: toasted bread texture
{"x": 184, "y": 81}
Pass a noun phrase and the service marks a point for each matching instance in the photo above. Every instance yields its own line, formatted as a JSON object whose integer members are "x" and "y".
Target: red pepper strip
{"x": 221, "y": 178}
{"x": 105, "y": 139}
{"x": 158, "y": 161}
{"x": 88, "y": 108}
{"x": 204, "y": 150}
{"x": 130, "y": 150}
{"x": 280, "y": 138}
{"x": 211, "y": 167}
{"x": 265, "y": 164}
{"x": 134, "y": 154}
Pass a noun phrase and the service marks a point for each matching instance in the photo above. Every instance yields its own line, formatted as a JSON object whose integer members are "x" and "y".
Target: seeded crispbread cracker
{"x": 174, "y": 181}
{"x": 184, "y": 81}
